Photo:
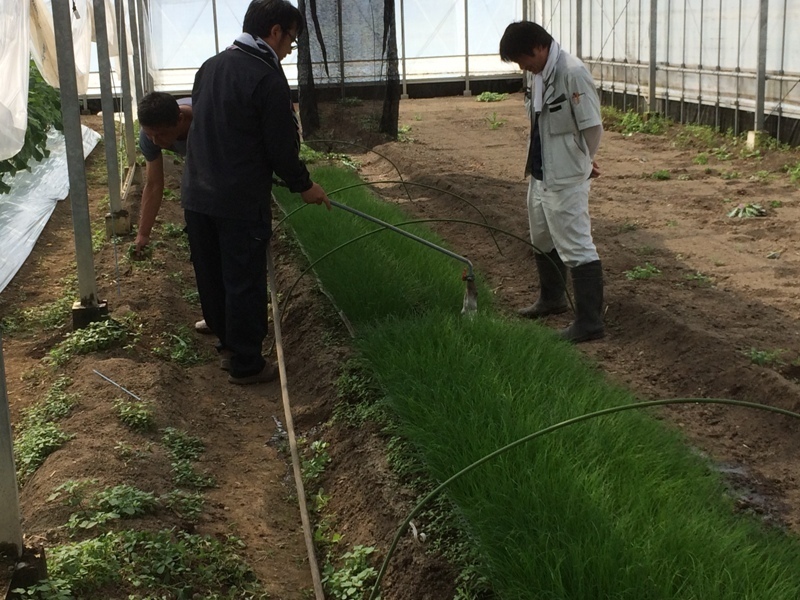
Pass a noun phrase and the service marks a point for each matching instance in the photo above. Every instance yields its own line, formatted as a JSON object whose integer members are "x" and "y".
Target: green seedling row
{"x": 617, "y": 507}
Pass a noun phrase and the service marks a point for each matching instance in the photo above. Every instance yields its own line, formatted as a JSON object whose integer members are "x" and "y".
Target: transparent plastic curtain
{"x": 43, "y": 43}
{"x": 719, "y": 37}
{"x": 14, "y": 58}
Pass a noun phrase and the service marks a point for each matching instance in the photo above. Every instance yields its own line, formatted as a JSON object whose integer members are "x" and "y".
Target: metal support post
{"x": 404, "y": 94}
{"x": 653, "y": 53}
{"x": 88, "y": 309}
{"x": 579, "y": 29}
{"x": 10, "y": 523}
{"x": 467, "y": 91}
{"x": 127, "y": 111}
{"x": 341, "y": 45}
{"x": 761, "y": 71}
{"x": 107, "y": 104}
{"x": 216, "y": 26}
{"x": 136, "y": 16}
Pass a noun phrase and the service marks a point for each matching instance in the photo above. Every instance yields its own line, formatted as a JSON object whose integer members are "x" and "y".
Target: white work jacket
{"x": 570, "y": 105}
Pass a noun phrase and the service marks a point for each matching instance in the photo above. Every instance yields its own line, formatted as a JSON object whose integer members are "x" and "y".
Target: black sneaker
{"x": 267, "y": 374}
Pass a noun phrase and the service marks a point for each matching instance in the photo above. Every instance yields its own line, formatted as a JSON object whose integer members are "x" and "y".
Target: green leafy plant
{"x": 699, "y": 278}
{"x": 661, "y": 175}
{"x": 403, "y": 134}
{"x": 97, "y": 336}
{"x": 494, "y": 122}
{"x": 722, "y": 153}
{"x": 775, "y": 203}
{"x": 351, "y": 101}
{"x": 180, "y": 347}
{"x": 187, "y": 505}
{"x": 794, "y": 172}
{"x": 137, "y": 415}
{"x": 351, "y": 580}
{"x": 730, "y": 175}
{"x": 185, "y": 475}
{"x": 647, "y": 271}
{"x": 490, "y": 97}
{"x": 52, "y": 315}
{"x": 157, "y": 564}
{"x": 181, "y": 445}
{"x": 650, "y": 123}
{"x": 112, "y": 504}
{"x": 44, "y": 112}
{"x": 39, "y": 435}
{"x": 701, "y": 158}
{"x": 745, "y": 211}
{"x": 764, "y": 357}
{"x": 317, "y": 458}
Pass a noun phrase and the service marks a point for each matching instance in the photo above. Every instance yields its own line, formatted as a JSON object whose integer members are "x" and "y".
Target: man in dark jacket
{"x": 243, "y": 130}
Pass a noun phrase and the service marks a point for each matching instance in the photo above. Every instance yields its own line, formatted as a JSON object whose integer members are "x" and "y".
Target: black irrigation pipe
{"x": 550, "y": 429}
{"x": 366, "y": 183}
{"x": 378, "y": 230}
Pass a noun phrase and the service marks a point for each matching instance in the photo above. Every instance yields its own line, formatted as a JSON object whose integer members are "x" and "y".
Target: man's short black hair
{"x": 158, "y": 109}
{"x": 521, "y": 38}
{"x": 263, "y": 15}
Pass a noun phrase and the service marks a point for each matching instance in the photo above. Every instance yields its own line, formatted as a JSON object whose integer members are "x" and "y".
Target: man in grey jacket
{"x": 566, "y": 127}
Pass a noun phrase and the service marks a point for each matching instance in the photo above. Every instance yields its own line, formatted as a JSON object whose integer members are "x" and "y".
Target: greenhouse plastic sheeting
{"x": 26, "y": 209}
{"x": 43, "y": 42}
{"x": 14, "y": 53}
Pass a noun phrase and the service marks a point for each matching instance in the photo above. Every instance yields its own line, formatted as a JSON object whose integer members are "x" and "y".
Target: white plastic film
{"x": 43, "y": 42}
{"x": 14, "y": 53}
{"x": 25, "y": 210}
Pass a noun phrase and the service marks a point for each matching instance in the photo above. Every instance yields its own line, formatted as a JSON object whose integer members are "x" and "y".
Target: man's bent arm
{"x": 151, "y": 201}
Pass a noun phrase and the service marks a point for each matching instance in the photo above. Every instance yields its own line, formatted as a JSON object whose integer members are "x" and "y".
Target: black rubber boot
{"x": 552, "y": 286}
{"x": 587, "y": 283}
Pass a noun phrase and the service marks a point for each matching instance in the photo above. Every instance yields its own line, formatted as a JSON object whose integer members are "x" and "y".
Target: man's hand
{"x": 595, "y": 170}
{"x": 140, "y": 244}
{"x": 316, "y": 195}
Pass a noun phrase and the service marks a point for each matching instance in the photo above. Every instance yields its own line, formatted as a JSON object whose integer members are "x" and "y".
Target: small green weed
{"x": 404, "y": 134}
{"x": 313, "y": 465}
{"x": 661, "y": 175}
{"x": 97, "y": 336}
{"x": 649, "y": 123}
{"x": 352, "y": 101}
{"x": 181, "y": 445}
{"x": 730, "y": 174}
{"x": 172, "y": 230}
{"x": 353, "y": 578}
{"x": 745, "y": 211}
{"x": 764, "y": 358}
{"x": 775, "y": 203}
{"x": 494, "y": 122}
{"x": 180, "y": 347}
{"x": 185, "y": 475}
{"x": 701, "y": 158}
{"x": 699, "y": 135}
{"x": 136, "y": 415}
{"x": 187, "y": 505}
{"x": 119, "y": 502}
{"x": 699, "y": 278}
{"x": 627, "y": 227}
{"x": 647, "y": 271}
{"x": 794, "y": 172}
{"x": 162, "y": 564}
{"x": 762, "y": 176}
{"x": 53, "y": 315}
{"x": 490, "y": 97}
{"x": 722, "y": 153}
{"x": 34, "y": 444}
{"x": 171, "y": 195}
{"x": 192, "y": 296}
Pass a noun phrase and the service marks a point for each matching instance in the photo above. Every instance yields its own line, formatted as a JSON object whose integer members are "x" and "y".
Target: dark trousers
{"x": 230, "y": 264}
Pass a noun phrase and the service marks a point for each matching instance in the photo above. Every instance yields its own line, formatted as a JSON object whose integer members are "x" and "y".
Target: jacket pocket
{"x": 561, "y": 121}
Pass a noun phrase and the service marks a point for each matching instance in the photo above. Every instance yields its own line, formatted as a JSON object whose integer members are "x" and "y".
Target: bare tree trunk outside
{"x": 391, "y": 101}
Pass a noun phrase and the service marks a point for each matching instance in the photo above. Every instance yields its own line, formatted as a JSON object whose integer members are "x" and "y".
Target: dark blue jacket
{"x": 243, "y": 130}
